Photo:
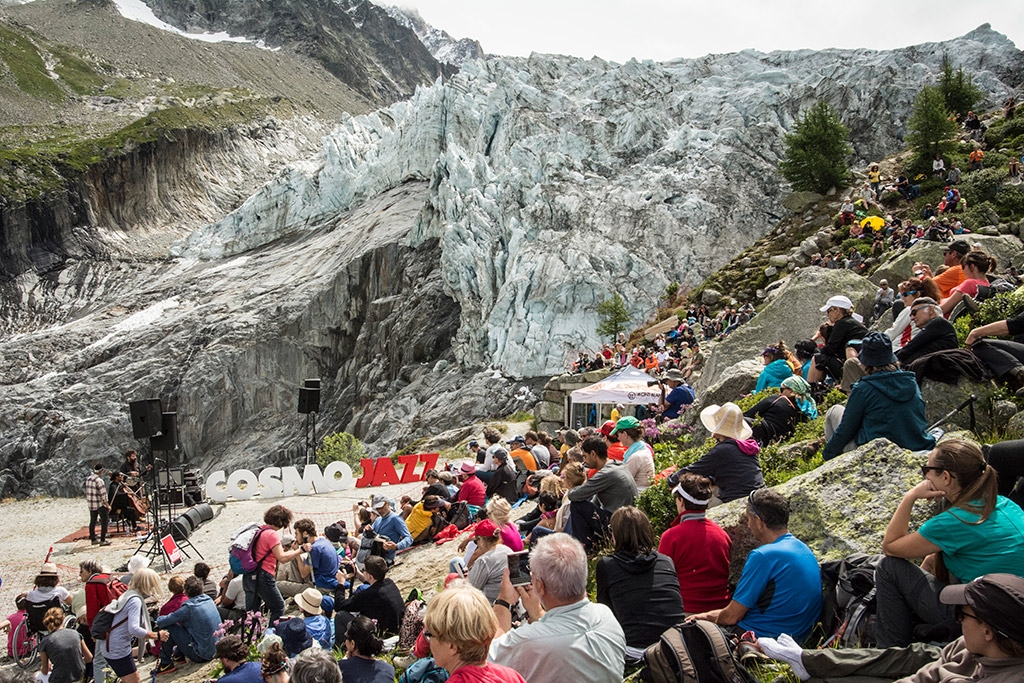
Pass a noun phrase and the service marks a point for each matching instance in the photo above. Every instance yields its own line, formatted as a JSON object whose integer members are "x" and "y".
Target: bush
{"x": 344, "y": 447}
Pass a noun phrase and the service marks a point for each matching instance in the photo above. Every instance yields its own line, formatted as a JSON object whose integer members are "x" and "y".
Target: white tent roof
{"x": 627, "y": 386}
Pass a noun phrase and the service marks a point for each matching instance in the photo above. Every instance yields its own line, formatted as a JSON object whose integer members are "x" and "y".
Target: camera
{"x": 653, "y": 382}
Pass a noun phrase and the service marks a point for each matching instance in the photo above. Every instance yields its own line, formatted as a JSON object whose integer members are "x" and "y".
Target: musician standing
{"x": 99, "y": 507}
{"x": 119, "y": 502}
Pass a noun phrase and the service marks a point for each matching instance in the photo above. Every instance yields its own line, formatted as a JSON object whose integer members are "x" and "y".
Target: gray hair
{"x": 316, "y": 666}
{"x": 560, "y": 561}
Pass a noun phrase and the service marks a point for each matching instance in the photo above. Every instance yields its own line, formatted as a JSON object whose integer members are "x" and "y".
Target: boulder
{"x": 1004, "y": 248}
{"x": 1015, "y": 427}
{"x": 710, "y": 296}
{"x": 549, "y": 427}
{"x": 550, "y": 412}
{"x": 771, "y": 271}
{"x": 737, "y": 380}
{"x": 801, "y": 201}
{"x": 1002, "y": 412}
{"x": 989, "y": 230}
{"x": 940, "y": 399}
{"x": 810, "y": 246}
{"x": 844, "y": 506}
{"x": 791, "y": 314}
{"x": 779, "y": 261}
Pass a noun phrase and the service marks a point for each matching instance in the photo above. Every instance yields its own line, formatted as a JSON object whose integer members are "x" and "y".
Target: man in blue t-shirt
{"x": 323, "y": 559}
{"x": 679, "y": 394}
{"x": 780, "y": 587}
{"x": 392, "y": 527}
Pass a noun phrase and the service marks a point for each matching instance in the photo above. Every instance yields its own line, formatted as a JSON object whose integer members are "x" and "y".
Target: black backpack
{"x": 104, "y": 623}
{"x": 693, "y": 652}
{"x": 848, "y": 612}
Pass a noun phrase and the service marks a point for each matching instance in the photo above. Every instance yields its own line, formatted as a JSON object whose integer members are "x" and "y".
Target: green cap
{"x": 628, "y": 422}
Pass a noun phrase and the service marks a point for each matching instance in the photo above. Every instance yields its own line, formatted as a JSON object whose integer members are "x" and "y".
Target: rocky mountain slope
{"x": 431, "y": 253}
{"x": 445, "y": 49}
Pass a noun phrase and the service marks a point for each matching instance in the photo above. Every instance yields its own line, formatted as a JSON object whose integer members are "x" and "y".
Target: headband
{"x": 681, "y": 492}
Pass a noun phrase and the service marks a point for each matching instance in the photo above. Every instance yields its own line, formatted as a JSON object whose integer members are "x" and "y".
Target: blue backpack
{"x": 424, "y": 671}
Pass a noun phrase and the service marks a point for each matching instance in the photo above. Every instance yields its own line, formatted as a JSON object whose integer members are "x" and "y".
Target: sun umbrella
{"x": 873, "y": 222}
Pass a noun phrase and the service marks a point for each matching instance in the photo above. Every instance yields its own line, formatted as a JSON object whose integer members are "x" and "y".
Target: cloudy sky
{"x": 663, "y": 29}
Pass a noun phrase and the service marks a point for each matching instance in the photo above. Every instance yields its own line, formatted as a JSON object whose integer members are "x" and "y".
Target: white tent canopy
{"x": 627, "y": 386}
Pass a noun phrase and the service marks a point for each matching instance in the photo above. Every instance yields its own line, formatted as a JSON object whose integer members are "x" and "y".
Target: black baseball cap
{"x": 997, "y": 599}
{"x": 959, "y": 246}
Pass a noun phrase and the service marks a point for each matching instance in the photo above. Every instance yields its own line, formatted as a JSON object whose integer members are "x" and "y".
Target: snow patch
{"x": 137, "y": 10}
{"x": 136, "y": 320}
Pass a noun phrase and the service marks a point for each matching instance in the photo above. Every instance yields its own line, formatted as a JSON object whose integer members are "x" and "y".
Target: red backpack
{"x": 100, "y": 591}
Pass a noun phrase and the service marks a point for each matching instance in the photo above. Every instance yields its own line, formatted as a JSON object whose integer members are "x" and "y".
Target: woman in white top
{"x": 131, "y": 620}
{"x": 902, "y": 330}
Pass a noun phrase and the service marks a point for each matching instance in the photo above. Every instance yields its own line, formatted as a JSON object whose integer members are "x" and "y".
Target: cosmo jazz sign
{"x": 274, "y": 482}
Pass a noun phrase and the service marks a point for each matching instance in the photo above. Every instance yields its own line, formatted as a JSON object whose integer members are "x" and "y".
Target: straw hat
{"x": 309, "y": 601}
{"x": 726, "y": 420}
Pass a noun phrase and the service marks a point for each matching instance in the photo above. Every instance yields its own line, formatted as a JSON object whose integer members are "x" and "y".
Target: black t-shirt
{"x": 778, "y": 418}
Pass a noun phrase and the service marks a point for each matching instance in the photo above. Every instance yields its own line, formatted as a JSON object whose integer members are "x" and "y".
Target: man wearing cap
{"x": 954, "y": 273}
{"x": 391, "y": 526}
{"x": 843, "y": 328}
{"x": 991, "y": 649}
{"x": 679, "y": 394}
{"x": 936, "y": 333}
{"x": 616, "y": 451}
{"x": 732, "y": 462}
{"x": 99, "y": 506}
{"x": 885, "y": 403}
{"x": 473, "y": 491}
{"x": 775, "y": 592}
{"x": 518, "y": 450}
{"x": 883, "y": 298}
{"x": 476, "y": 452}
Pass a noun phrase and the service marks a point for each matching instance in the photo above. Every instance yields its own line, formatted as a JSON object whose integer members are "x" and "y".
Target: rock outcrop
{"x": 1006, "y": 249}
{"x": 445, "y": 49}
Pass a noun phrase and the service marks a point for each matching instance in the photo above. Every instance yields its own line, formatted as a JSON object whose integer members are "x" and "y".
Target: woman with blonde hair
{"x": 499, "y": 511}
{"x": 131, "y": 620}
{"x": 980, "y": 533}
{"x": 460, "y": 625}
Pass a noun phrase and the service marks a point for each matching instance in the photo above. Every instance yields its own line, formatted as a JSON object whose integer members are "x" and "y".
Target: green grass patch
{"x": 77, "y": 73}
{"x": 27, "y": 66}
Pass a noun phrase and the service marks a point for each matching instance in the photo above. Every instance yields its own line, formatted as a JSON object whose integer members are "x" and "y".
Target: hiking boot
{"x": 168, "y": 668}
{"x": 179, "y": 658}
{"x": 1015, "y": 380}
{"x": 970, "y": 303}
{"x": 403, "y": 662}
{"x": 94, "y": 541}
{"x": 104, "y": 542}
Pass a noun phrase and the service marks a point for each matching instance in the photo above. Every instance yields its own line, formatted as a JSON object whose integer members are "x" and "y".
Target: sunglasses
{"x": 910, "y": 292}
{"x": 925, "y": 469}
{"x": 752, "y": 506}
{"x": 915, "y": 311}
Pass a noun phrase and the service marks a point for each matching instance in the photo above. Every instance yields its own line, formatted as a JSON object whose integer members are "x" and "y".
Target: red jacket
{"x": 473, "y": 492}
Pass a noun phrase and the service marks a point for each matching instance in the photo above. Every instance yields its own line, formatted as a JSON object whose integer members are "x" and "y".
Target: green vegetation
{"x": 27, "y": 66}
{"x": 931, "y": 129}
{"x": 614, "y": 316}
{"x": 77, "y": 73}
{"x": 344, "y": 447}
{"x": 817, "y": 151}
{"x": 958, "y": 90}
{"x": 37, "y": 168}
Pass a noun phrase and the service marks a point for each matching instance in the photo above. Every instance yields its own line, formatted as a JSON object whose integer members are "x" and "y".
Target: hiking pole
{"x": 968, "y": 403}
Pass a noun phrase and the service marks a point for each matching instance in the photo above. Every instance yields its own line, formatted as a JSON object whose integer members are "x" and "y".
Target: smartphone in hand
{"x": 519, "y": 568}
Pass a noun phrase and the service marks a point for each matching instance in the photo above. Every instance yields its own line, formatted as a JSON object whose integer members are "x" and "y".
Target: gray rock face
{"x": 445, "y": 49}
{"x": 792, "y": 315}
{"x": 844, "y": 506}
{"x": 941, "y": 398}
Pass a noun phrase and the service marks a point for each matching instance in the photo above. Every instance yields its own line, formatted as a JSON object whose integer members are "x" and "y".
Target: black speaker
{"x": 171, "y": 497}
{"x": 312, "y": 383}
{"x": 309, "y": 400}
{"x": 146, "y": 417}
{"x": 168, "y": 439}
{"x": 181, "y": 528}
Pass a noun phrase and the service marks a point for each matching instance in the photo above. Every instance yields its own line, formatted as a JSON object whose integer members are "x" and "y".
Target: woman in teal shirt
{"x": 776, "y": 367}
{"x": 980, "y": 533}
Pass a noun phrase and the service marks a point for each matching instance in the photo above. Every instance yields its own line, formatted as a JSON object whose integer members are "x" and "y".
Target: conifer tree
{"x": 816, "y": 151}
{"x": 613, "y": 315}
{"x": 958, "y": 90}
{"x": 931, "y": 128}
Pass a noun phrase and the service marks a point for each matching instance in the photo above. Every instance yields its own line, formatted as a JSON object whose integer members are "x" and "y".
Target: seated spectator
{"x": 362, "y": 647}
{"x": 47, "y": 587}
{"x": 190, "y": 629}
{"x": 421, "y": 518}
{"x": 473, "y": 490}
{"x": 489, "y": 559}
{"x": 883, "y": 298}
{"x": 773, "y": 595}
{"x": 778, "y": 365}
{"x": 231, "y": 602}
{"x": 295, "y": 639}
{"x": 938, "y": 166}
{"x": 638, "y": 583}
{"x": 804, "y": 351}
{"x": 62, "y": 653}
{"x": 698, "y": 547}
{"x": 779, "y": 414}
{"x": 176, "y": 587}
{"x": 201, "y": 571}
{"x": 990, "y": 649}
{"x": 936, "y": 333}
{"x": 975, "y": 264}
{"x": 462, "y": 626}
{"x": 678, "y": 396}
{"x": 390, "y": 526}
{"x": 317, "y": 625}
{"x": 977, "y": 159}
{"x": 316, "y": 666}
{"x": 233, "y": 655}
{"x": 847, "y": 212}
{"x": 981, "y": 533}
{"x": 503, "y": 478}
{"x": 732, "y": 462}
{"x": 885, "y": 403}
{"x": 843, "y": 327}
{"x": 953, "y": 275}
{"x": 520, "y": 455}
{"x": 381, "y": 602}
{"x": 11, "y": 623}
{"x": 608, "y": 489}
{"x": 902, "y": 331}
{"x": 274, "y": 666}
{"x": 638, "y": 456}
{"x": 499, "y": 511}
{"x": 616, "y": 451}
{"x": 1003, "y": 357}
{"x": 568, "y": 638}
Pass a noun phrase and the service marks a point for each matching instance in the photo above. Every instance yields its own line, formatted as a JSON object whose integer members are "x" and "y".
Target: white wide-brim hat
{"x": 726, "y": 420}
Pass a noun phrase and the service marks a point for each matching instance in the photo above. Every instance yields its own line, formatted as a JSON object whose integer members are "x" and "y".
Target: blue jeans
{"x": 98, "y": 662}
{"x": 261, "y": 588}
{"x": 183, "y": 641}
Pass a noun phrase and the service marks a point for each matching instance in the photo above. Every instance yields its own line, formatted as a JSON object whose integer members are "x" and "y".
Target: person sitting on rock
{"x": 843, "y": 327}
{"x": 773, "y": 595}
{"x": 1003, "y": 357}
{"x": 936, "y": 333}
{"x": 780, "y": 413}
{"x": 732, "y": 462}
{"x": 981, "y": 533}
{"x": 991, "y": 649}
{"x": 847, "y": 212}
{"x": 779, "y": 364}
{"x": 885, "y": 403}
{"x": 638, "y": 456}
{"x": 883, "y": 298}
{"x": 503, "y": 479}
{"x": 593, "y": 503}
{"x": 953, "y": 275}
{"x": 975, "y": 264}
